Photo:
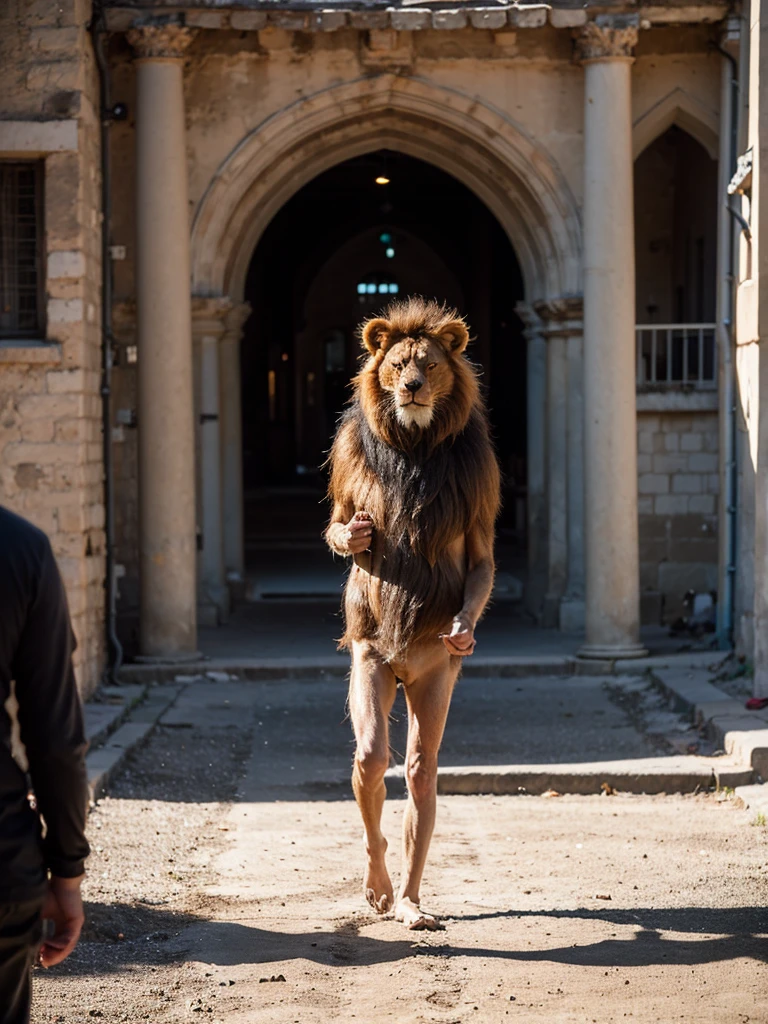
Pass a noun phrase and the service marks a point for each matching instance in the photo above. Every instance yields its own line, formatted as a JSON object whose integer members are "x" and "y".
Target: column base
{"x": 169, "y": 659}
{"x": 611, "y": 652}
{"x": 572, "y": 614}
{"x": 208, "y": 613}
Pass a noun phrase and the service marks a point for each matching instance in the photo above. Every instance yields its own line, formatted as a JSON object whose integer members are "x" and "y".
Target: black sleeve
{"x": 51, "y": 721}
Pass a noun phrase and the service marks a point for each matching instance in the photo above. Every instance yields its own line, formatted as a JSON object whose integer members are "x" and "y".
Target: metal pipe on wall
{"x": 729, "y": 101}
{"x": 114, "y": 647}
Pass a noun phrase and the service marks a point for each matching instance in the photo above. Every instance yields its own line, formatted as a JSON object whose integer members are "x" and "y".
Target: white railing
{"x": 676, "y": 357}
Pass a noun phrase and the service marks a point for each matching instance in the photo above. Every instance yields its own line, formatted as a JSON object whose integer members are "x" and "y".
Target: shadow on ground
{"x": 155, "y": 936}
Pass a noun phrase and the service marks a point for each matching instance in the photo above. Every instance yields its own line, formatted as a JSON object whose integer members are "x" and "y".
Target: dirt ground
{"x": 211, "y": 900}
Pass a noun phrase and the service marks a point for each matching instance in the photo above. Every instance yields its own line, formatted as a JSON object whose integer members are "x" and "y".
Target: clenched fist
{"x": 353, "y": 537}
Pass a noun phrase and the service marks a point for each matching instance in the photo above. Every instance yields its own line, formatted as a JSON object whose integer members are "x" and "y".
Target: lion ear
{"x": 455, "y": 336}
{"x": 375, "y": 334}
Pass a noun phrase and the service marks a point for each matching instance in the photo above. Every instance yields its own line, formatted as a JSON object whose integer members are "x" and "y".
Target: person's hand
{"x": 357, "y": 533}
{"x": 461, "y": 640}
{"x": 64, "y": 906}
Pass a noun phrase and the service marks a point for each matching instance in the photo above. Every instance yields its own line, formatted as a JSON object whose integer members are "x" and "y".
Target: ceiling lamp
{"x": 382, "y": 180}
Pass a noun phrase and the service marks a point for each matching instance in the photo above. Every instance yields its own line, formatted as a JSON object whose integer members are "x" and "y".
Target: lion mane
{"x": 423, "y": 489}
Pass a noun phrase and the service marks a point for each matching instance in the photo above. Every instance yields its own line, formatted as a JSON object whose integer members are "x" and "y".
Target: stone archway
{"x": 513, "y": 175}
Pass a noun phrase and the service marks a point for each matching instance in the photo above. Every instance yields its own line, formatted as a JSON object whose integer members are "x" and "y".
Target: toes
{"x": 383, "y": 905}
{"x": 370, "y": 896}
{"x": 425, "y": 923}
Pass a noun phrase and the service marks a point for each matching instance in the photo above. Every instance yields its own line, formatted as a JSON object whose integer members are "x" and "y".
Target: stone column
{"x": 557, "y": 477}
{"x": 564, "y": 321}
{"x": 232, "y": 448}
{"x": 168, "y": 624}
{"x": 604, "y": 47}
{"x": 208, "y": 328}
{"x": 536, "y": 459}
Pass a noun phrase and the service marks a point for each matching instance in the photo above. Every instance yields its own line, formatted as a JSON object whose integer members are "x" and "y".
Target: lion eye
{"x": 431, "y": 366}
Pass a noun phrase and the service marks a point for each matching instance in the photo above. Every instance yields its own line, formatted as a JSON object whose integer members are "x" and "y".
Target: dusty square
{"x": 204, "y": 887}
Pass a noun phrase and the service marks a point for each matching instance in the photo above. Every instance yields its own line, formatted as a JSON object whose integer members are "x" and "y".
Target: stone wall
{"x": 678, "y": 485}
{"x": 51, "y": 468}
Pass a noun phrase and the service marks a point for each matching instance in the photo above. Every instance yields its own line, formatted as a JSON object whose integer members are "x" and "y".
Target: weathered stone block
{"x": 412, "y": 19}
{"x": 63, "y": 381}
{"x": 449, "y": 19}
{"x": 703, "y": 503}
{"x": 672, "y": 442}
{"x": 670, "y": 463}
{"x": 488, "y": 18}
{"x": 37, "y": 430}
{"x": 702, "y": 462}
{"x": 692, "y": 442}
{"x": 65, "y": 76}
{"x": 66, "y": 263}
{"x": 291, "y": 21}
{"x": 41, "y": 454}
{"x": 28, "y": 476}
{"x": 203, "y": 19}
{"x": 671, "y": 505}
{"x": 528, "y": 16}
{"x": 645, "y": 442}
{"x": 368, "y": 19}
{"x": 644, "y": 463}
{"x": 567, "y": 17}
{"x": 65, "y": 311}
{"x": 248, "y": 21}
{"x": 653, "y": 483}
{"x": 687, "y": 483}
{"x": 55, "y": 40}
{"x": 329, "y": 21}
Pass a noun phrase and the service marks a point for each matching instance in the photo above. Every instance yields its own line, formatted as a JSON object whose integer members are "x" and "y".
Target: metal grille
{"x": 21, "y": 279}
{"x": 676, "y": 357}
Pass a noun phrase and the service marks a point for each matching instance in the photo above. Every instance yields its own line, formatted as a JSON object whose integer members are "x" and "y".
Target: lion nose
{"x": 413, "y": 386}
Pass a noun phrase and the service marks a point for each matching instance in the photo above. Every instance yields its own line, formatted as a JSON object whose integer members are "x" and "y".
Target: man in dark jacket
{"x": 41, "y": 910}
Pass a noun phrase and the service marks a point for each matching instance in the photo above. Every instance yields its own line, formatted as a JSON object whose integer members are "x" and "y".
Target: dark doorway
{"x": 336, "y": 253}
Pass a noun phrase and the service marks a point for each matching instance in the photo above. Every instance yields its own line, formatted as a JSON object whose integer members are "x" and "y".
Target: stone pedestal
{"x": 168, "y": 625}
{"x": 610, "y": 438}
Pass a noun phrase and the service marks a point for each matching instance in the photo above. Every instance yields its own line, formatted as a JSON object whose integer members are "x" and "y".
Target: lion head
{"x": 417, "y": 381}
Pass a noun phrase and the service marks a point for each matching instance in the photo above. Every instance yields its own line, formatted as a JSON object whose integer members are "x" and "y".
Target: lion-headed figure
{"x": 412, "y": 454}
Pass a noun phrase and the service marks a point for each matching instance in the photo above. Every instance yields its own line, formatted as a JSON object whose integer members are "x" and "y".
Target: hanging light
{"x": 389, "y": 253}
{"x": 382, "y": 180}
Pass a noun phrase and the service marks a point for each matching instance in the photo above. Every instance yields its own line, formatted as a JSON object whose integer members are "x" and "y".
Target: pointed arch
{"x": 680, "y": 108}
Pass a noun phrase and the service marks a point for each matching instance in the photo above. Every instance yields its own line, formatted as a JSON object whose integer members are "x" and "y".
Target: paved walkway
{"x": 308, "y": 629}
{"x": 225, "y": 879}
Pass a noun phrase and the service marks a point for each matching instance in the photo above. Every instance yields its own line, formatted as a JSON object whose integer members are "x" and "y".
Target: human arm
{"x": 51, "y": 720}
{"x": 64, "y": 906}
{"x": 477, "y": 590}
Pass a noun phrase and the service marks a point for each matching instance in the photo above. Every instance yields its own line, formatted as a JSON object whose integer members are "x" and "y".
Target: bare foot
{"x": 414, "y": 917}
{"x": 377, "y": 885}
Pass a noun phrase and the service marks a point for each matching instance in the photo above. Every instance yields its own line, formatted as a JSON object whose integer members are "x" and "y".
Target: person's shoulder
{"x": 18, "y": 535}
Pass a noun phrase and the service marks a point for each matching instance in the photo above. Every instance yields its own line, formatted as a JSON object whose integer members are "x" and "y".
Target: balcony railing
{"x": 680, "y": 357}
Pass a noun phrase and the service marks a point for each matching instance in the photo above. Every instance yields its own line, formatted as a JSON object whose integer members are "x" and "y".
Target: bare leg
{"x": 428, "y": 699}
{"x": 372, "y": 692}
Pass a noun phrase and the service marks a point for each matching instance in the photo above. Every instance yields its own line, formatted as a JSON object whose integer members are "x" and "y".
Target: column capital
{"x": 160, "y": 39}
{"x": 561, "y": 317}
{"x": 209, "y": 316}
{"x": 606, "y": 38}
{"x": 532, "y": 325}
{"x": 235, "y": 320}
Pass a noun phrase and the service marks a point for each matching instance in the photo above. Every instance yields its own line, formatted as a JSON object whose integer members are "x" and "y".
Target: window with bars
{"x": 21, "y": 248}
